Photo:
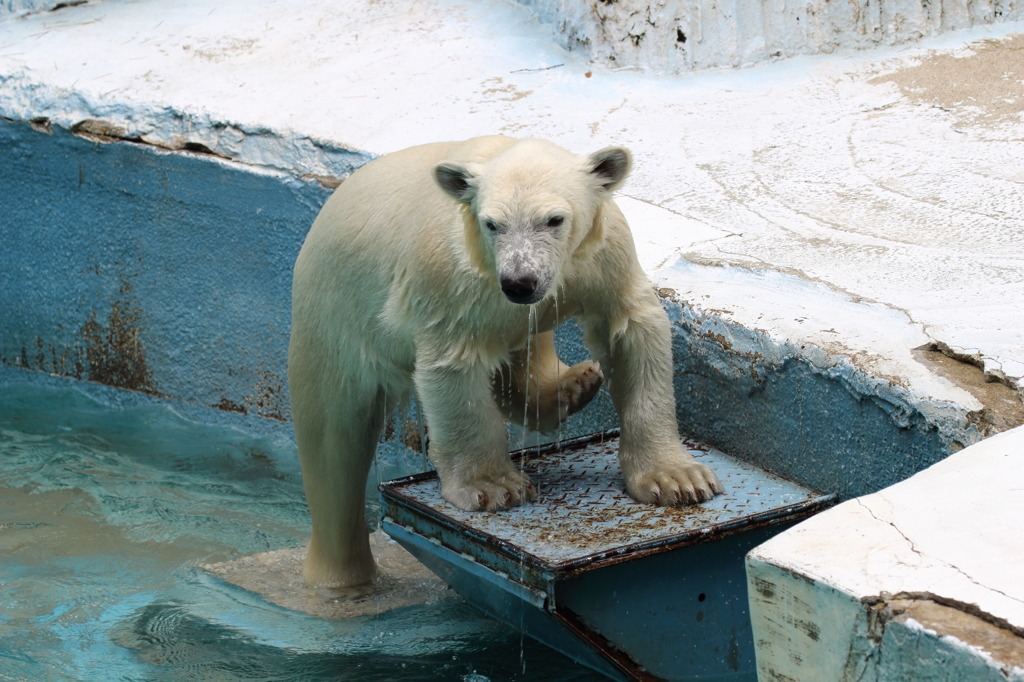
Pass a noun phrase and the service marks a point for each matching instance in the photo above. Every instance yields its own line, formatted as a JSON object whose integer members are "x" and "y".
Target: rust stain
{"x": 68, "y": 362}
{"x": 388, "y": 432}
{"x": 408, "y": 434}
{"x": 267, "y": 397}
{"x": 226, "y": 405}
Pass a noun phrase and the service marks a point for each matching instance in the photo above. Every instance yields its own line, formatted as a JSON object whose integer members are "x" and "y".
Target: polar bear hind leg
{"x": 338, "y": 421}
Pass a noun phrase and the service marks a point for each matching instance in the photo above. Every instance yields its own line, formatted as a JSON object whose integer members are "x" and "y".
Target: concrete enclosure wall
{"x": 675, "y": 36}
{"x": 169, "y": 273}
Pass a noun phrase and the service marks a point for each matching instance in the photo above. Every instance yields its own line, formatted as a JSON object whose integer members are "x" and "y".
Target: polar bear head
{"x": 531, "y": 208}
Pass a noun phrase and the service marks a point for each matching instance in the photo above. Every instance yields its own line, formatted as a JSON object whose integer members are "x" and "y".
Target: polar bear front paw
{"x": 683, "y": 482}
{"x": 490, "y": 493}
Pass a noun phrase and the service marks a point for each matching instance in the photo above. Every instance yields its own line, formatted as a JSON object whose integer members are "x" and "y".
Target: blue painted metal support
{"x": 633, "y": 591}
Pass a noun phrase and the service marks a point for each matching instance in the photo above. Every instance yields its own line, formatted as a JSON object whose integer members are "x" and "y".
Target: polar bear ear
{"x": 610, "y": 166}
{"x": 458, "y": 180}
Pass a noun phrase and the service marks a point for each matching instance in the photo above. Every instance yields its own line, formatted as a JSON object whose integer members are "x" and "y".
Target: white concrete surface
{"x": 861, "y": 218}
{"x": 950, "y": 535}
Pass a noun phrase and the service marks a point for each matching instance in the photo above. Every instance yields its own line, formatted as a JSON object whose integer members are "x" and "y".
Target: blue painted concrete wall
{"x": 737, "y": 389}
{"x": 168, "y": 273}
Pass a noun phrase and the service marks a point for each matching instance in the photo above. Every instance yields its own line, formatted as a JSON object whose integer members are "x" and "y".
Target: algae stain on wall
{"x": 108, "y": 351}
{"x": 114, "y": 352}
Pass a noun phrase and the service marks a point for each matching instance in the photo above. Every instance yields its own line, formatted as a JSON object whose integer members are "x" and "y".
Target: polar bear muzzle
{"x": 526, "y": 263}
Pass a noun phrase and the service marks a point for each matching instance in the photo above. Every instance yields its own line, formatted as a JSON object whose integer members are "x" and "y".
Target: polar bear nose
{"x": 520, "y": 289}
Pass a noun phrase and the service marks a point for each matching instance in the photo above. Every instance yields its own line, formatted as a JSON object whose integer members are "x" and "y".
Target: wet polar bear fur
{"x": 420, "y": 273}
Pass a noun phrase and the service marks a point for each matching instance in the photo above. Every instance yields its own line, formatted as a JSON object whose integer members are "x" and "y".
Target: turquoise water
{"x": 109, "y": 507}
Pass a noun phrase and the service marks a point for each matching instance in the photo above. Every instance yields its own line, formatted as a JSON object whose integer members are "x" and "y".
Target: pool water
{"x": 109, "y": 508}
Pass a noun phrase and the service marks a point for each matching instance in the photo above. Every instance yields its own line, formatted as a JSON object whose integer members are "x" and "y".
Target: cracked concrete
{"x": 1002, "y": 405}
{"x": 941, "y": 549}
{"x": 1003, "y": 642}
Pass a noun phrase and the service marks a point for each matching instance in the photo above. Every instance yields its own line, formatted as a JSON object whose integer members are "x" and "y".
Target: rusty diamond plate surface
{"x": 582, "y": 508}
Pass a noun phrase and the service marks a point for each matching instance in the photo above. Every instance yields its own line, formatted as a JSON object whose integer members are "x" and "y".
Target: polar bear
{"x": 444, "y": 269}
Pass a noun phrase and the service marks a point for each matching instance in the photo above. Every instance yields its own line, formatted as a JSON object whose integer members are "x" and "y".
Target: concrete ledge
{"x": 919, "y": 581}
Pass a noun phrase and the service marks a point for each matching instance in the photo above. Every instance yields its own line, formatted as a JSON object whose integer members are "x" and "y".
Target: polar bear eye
{"x": 555, "y": 221}
{"x": 491, "y": 225}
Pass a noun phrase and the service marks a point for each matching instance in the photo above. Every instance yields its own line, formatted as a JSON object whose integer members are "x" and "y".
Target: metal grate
{"x": 583, "y": 510}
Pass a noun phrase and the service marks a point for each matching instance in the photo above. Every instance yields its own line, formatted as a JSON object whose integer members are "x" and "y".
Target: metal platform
{"x": 634, "y": 591}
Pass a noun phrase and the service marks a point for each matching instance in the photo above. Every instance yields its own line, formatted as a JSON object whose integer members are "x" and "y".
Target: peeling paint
{"x": 803, "y": 413}
{"x": 107, "y": 132}
{"x": 220, "y": 300}
{"x": 905, "y": 584}
{"x": 828, "y": 177}
{"x": 173, "y": 284}
{"x": 328, "y": 181}
{"x": 919, "y": 604}
{"x": 951, "y": 632}
{"x": 1003, "y": 408}
{"x": 41, "y": 124}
